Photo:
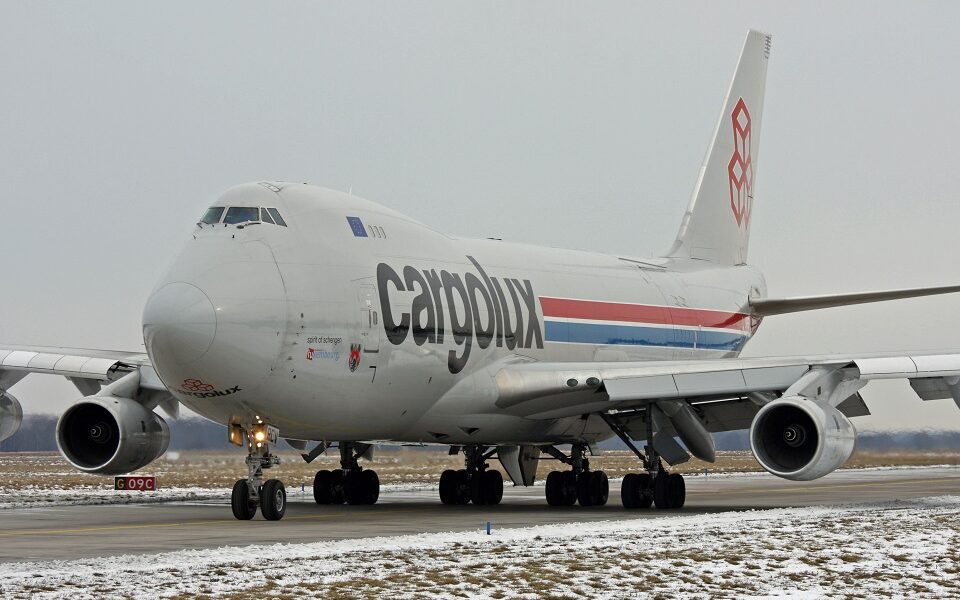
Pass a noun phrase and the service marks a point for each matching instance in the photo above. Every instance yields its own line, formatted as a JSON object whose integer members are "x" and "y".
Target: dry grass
{"x": 394, "y": 466}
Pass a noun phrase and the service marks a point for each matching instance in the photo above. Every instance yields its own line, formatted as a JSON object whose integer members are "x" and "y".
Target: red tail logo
{"x": 740, "y": 168}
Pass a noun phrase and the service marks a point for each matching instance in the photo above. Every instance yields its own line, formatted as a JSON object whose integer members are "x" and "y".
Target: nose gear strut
{"x": 252, "y": 492}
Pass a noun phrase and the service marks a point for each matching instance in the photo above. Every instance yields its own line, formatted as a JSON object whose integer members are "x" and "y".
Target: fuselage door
{"x": 369, "y": 318}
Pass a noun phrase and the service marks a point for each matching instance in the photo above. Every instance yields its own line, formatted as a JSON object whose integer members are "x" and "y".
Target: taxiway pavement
{"x": 65, "y": 532}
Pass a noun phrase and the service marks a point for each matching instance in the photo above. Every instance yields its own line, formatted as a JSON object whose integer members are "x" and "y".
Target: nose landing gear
{"x": 252, "y": 492}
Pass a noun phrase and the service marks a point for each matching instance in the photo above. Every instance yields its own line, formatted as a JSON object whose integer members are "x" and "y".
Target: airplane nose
{"x": 179, "y": 322}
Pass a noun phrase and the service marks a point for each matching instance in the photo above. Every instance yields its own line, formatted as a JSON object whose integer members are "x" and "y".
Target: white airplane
{"x": 299, "y": 312}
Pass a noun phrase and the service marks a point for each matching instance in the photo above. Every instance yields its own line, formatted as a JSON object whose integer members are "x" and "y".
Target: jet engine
{"x": 800, "y": 439}
{"x": 11, "y": 415}
{"x": 111, "y": 435}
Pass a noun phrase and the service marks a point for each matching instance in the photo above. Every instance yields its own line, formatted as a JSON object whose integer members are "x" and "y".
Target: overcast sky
{"x": 573, "y": 125}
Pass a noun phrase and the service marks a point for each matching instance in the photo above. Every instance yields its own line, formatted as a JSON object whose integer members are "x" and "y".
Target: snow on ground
{"x": 898, "y": 549}
{"x": 36, "y": 496}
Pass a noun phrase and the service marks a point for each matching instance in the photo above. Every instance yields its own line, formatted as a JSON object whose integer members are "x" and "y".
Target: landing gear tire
{"x": 361, "y": 487}
{"x": 561, "y": 488}
{"x": 371, "y": 482}
{"x": 630, "y": 491}
{"x": 486, "y": 488}
{"x": 462, "y": 488}
{"x": 328, "y": 487}
{"x": 601, "y": 488}
{"x": 555, "y": 488}
{"x": 635, "y": 491}
{"x": 448, "y": 487}
{"x": 661, "y": 496}
{"x": 273, "y": 500}
{"x": 244, "y": 508}
{"x": 593, "y": 488}
{"x": 337, "y": 493}
{"x": 669, "y": 491}
{"x": 323, "y": 487}
{"x": 677, "y": 490}
{"x": 646, "y": 488}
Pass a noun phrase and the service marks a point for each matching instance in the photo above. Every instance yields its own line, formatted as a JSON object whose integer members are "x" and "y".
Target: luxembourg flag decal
{"x": 571, "y": 321}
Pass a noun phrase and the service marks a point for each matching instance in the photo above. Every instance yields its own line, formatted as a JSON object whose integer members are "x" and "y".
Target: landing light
{"x": 262, "y": 434}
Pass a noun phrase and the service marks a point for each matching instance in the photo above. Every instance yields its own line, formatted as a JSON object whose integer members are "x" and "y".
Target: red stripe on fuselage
{"x": 643, "y": 313}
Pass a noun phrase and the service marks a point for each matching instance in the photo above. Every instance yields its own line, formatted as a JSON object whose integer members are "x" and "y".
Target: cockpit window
{"x": 276, "y": 217}
{"x": 241, "y": 214}
{"x": 212, "y": 216}
{"x": 265, "y": 216}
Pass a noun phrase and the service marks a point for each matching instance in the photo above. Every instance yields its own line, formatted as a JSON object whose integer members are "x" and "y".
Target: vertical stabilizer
{"x": 716, "y": 226}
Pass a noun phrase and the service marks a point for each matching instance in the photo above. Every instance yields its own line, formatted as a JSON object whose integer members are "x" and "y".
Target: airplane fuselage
{"x": 353, "y": 322}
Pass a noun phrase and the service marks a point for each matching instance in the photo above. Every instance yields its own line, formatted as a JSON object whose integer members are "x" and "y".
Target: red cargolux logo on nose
{"x": 740, "y": 168}
{"x": 195, "y": 385}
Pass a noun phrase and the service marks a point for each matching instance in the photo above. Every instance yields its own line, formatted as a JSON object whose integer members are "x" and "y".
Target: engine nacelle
{"x": 110, "y": 435}
{"x": 797, "y": 438}
{"x": 11, "y": 415}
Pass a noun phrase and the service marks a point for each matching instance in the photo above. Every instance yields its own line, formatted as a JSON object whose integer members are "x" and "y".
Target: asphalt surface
{"x": 67, "y": 532}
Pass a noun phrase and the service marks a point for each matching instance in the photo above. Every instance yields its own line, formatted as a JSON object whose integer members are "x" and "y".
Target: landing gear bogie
{"x": 656, "y": 486}
{"x": 475, "y": 484}
{"x": 349, "y": 484}
{"x": 578, "y": 485}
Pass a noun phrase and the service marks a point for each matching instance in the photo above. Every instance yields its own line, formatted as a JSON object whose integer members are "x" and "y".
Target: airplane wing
{"x": 764, "y": 307}
{"x": 720, "y": 394}
{"x": 87, "y": 369}
{"x": 76, "y": 364}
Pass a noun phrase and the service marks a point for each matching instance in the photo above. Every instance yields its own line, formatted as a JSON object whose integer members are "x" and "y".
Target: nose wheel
{"x": 253, "y": 492}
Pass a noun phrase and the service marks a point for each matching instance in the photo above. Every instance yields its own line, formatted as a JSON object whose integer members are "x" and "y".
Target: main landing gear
{"x": 474, "y": 483}
{"x": 578, "y": 485}
{"x": 654, "y": 487}
{"x": 252, "y": 492}
{"x": 351, "y": 483}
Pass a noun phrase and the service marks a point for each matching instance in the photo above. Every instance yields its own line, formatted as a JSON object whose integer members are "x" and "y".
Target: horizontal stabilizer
{"x": 779, "y": 306}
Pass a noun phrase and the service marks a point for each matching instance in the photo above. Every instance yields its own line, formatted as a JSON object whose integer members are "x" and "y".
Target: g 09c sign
{"x": 137, "y": 484}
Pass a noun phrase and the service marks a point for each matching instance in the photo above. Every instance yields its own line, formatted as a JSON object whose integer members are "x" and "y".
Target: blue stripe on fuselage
{"x": 638, "y": 335}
